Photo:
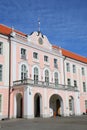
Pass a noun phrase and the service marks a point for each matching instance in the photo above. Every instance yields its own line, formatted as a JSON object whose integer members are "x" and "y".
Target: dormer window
{"x": 23, "y": 53}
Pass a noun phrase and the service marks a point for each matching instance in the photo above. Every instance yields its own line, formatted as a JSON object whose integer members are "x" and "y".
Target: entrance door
{"x": 56, "y": 104}
{"x": 37, "y": 105}
{"x": 19, "y": 106}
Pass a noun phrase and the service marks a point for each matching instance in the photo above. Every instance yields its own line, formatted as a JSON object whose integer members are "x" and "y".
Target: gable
{"x": 39, "y": 40}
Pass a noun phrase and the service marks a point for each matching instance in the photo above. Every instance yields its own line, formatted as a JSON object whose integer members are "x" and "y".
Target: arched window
{"x": 47, "y": 77}
{"x": 23, "y": 72}
{"x": 36, "y": 75}
{"x": 56, "y": 79}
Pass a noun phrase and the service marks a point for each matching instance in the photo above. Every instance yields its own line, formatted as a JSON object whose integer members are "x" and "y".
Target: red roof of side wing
{"x": 72, "y": 55}
{"x": 6, "y": 30}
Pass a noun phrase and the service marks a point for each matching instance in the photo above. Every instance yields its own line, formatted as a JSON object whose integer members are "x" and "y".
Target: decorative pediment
{"x": 40, "y": 40}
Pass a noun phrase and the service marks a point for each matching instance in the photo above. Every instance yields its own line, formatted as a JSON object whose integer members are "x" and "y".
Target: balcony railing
{"x": 43, "y": 84}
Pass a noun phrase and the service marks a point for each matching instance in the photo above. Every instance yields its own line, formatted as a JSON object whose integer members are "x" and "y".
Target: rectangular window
{"x": 35, "y": 55}
{"x": 68, "y": 82}
{"x": 75, "y": 83}
{"x": 68, "y": 67}
{"x": 83, "y": 71}
{"x": 0, "y": 72}
{"x": 74, "y": 69}
{"x": 84, "y": 87}
{"x": 86, "y": 105}
{"x": 1, "y": 47}
{"x": 46, "y": 58}
{"x": 23, "y": 53}
{"x": 70, "y": 104}
{"x": 0, "y": 103}
{"x": 55, "y": 63}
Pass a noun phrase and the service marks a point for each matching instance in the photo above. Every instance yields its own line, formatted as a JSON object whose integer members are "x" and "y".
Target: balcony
{"x": 43, "y": 84}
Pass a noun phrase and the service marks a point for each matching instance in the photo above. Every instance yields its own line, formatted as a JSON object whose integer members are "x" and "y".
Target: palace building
{"x": 38, "y": 79}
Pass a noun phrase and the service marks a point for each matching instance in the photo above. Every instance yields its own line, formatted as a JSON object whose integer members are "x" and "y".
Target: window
{"x": 84, "y": 87}
{"x": 23, "y": 72}
{"x": 46, "y": 58}
{"x": 35, "y": 75}
{"x": 74, "y": 69}
{"x": 86, "y": 105}
{"x": 55, "y": 63}
{"x": 68, "y": 82}
{"x": 23, "y": 53}
{"x": 83, "y": 71}
{"x": 68, "y": 67}
{"x": 0, "y": 72}
{"x": 56, "y": 79}
{"x": 1, "y": 47}
{"x": 47, "y": 77}
{"x": 70, "y": 104}
{"x": 0, "y": 103}
{"x": 75, "y": 83}
{"x": 35, "y": 55}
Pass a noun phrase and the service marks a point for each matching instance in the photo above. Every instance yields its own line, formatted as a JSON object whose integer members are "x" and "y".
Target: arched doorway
{"x": 19, "y": 105}
{"x": 56, "y": 104}
{"x": 37, "y": 105}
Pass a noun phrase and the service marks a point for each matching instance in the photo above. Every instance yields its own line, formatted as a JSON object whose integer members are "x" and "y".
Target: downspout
{"x": 64, "y": 70}
{"x": 9, "y": 38}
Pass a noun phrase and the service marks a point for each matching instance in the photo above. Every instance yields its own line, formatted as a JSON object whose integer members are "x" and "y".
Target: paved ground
{"x": 59, "y": 123}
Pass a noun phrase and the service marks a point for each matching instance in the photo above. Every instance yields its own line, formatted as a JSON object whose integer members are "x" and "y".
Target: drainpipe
{"x": 9, "y": 38}
{"x": 64, "y": 69}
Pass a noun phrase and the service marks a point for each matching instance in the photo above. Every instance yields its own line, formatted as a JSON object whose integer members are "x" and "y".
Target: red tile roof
{"x": 6, "y": 30}
{"x": 72, "y": 55}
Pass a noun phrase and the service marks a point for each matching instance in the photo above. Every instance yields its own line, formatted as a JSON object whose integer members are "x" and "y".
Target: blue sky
{"x": 64, "y": 22}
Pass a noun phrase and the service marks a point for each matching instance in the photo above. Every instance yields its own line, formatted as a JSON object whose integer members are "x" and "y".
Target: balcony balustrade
{"x": 43, "y": 84}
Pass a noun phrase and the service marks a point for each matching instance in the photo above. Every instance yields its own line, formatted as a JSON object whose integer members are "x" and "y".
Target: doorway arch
{"x": 56, "y": 104}
{"x": 37, "y": 105}
{"x": 19, "y": 105}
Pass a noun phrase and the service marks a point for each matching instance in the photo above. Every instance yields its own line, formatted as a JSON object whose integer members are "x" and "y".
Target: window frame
{"x": 68, "y": 67}
{"x": 46, "y": 59}
{"x": 36, "y": 75}
{"x": 35, "y": 55}
{"x": 1, "y": 73}
{"x": 1, "y": 103}
{"x": 23, "y": 53}
{"x": 55, "y": 63}
{"x": 47, "y": 77}
{"x": 75, "y": 83}
{"x": 84, "y": 86}
{"x": 23, "y": 72}
{"x": 69, "y": 82}
{"x": 56, "y": 80}
{"x": 83, "y": 71}
{"x": 1, "y": 48}
{"x": 74, "y": 68}
{"x": 70, "y": 104}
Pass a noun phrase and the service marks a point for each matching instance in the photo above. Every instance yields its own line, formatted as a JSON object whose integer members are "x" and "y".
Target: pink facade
{"x": 42, "y": 80}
